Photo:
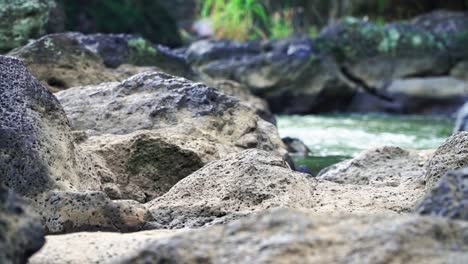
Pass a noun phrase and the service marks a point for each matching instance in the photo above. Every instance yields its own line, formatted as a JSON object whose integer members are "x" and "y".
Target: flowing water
{"x": 333, "y": 138}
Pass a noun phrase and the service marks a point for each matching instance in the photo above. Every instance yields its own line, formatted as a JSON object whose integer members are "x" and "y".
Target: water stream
{"x": 333, "y": 138}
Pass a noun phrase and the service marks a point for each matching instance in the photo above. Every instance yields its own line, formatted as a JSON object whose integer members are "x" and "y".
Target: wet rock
{"x": 21, "y": 20}
{"x": 65, "y": 60}
{"x": 287, "y": 236}
{"x": 296, "y": 147}
{"x": 20, "y": 233}
{"x": 449, "y": 198}
{"x": 449, "y": 156}
{"x": 230, "y": 188}
{"x": 157, "y": 100}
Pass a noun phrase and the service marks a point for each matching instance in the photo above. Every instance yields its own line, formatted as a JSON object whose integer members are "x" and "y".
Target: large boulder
{"x": 21, "y": 20}
{"x": 38, "y": 156}
{"x": 287, "y": 236}
{"x": 157, "y": 100}
{"x": 65, "y": 60}
{"x": 37, "y": 148}
{"x": 449, "y": 156}
{"x": 449, "y": 198}
{"x": 232, "y": 187}
{"x": 21, "y": 235}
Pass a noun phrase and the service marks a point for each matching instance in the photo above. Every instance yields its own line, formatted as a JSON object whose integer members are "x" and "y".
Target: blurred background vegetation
{"x": 158, "y": 20}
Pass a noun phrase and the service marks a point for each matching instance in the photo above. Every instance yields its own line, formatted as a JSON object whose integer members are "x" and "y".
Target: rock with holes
{"x": 250, "y": 181}
{"x": 451, "y": 155}
{"x": 21, "y": 234}
{"x": 65, "y": 60}
{"x": 288, "y": 236}
{"x": 38, "y": 156}
{"x": 156, "y": 100}
{"x": 449, "y": 198}
{"x": 384, "y": 166}
{"x": 37, "y": 151}
{"x": 65, "y": 212}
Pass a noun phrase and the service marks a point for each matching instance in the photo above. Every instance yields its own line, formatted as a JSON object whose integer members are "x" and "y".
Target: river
{"x": 333, "y": 138}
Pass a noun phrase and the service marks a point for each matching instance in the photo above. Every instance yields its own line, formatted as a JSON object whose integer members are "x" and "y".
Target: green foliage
{"x": 245, "y": 19}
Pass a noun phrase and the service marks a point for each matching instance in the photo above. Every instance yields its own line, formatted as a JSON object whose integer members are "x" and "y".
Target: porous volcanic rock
{"x": 21, "y": 234}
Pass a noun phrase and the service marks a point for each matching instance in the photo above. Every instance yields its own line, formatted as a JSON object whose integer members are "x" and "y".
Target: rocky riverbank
{"x": 114, "y": 149}
{"x": 158, "y": 152}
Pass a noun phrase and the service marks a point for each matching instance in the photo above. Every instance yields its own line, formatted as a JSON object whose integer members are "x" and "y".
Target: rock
{"x": 449, "y": 156}
{"x": 20, "y": 233}
{"x": 21, "y": 20}
{"x": 157, "y": 100}
{"x": 287, "y": 236}
{"x": 146, "y": 164}
{"x": 295, "y": 146}
{"x": 449, "y": 198}
{"x": 100, "y": 247}
{"x": 401, "y": 66}
{"x": 66, "y": 212}
{"x": 37, "y": 149}
{"x": 243, "y": 93}
{"x": 230, "y": 188}
{"x": 460, "y": 71}
{"x": 65, "y": 60}
{"x": 39, "y": 157}
{"x": 462, "y": 118}
{"x": 385, "y": 166}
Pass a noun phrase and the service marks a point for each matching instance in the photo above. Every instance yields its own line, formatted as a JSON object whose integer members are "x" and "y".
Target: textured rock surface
{"x": 65, "y": 60}
{"x": 146, "y": 164}
{"x": 37, "y": 150}
{"x": 385, "y": 166}
{"x": 157, "y": 100}
{"x": 21, "y": 20}
{"x": 100, "y": 247}
{"x": 451, "y": 155}
{"x": 285, "y": 236}
{"x": 38, "y": 157}
{"x": 20, "y": 233}
{"x": 232, "y": 187}
{"x": 449, "y": 198}
{"x": 65, "y": 212}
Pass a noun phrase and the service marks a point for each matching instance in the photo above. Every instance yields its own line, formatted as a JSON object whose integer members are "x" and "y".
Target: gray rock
{"x": 65, "y": 60}
{"x": 287, "y": 236}
{"x": 385, "y": 166}
{"x": 449, "y": 156}
{"x": 38, "y": 155}
{"x": 20, "y": 233}
{"x": 37, "y": 150}
{"x": 157, "y": 100}
{"x": 230, "y": 188}
{"x": 449, "y": 198}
